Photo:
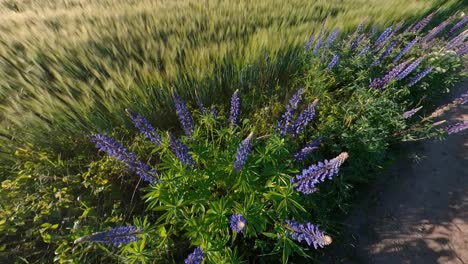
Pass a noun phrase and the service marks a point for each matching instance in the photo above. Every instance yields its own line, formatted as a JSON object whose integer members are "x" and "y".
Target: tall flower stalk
{"x": 307, "y": 149}
{"x": 333, "y": 63}
{"x": 380, "y": 83}
{"x": 411, "y": 112}
{"x": 181, "y": 151}
{"x": 303, "y": 119}
{"x": 235, "y": 108}
{"x": 309, "y": 233}
{"x": 457, "y": 127}
{"x": 419, "y": 76}
{"x": 116, "y": 150}
{"x": 409, "y": 69}
{"x": 286, "y": 119}
{"x": 306, "y": 181}
{"x": 183, "y": 114}
{"x": 145, "y": 127}
{"x": 405, "y": 49}
{"x": 115, "y": 236}
{"x": 243, "y": 152}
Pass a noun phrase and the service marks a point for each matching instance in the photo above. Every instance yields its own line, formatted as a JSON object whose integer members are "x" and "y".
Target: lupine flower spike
{"x": 285, "y": 121}
{"x": 332, "y": 37}
{"x": 409, "y": 69}
{"x": 436, "y": 30}
{"x": 116, "y": 150}
{"x": 309, "y": 42}
{"x": 457, "y": 127}
{"x": 243, "y": 152}
{"x": 317, "y": 46}
{"x": 145, "y": 127}
{"x": 307, "y": 149}
{"x": 458, "y": 25}
{"x": 422, "y": 24}
{"x": 238, "y": 223}
{"x": 181, "y": 151}
{"x": 411, "y": 112}
{"x": 200, "y": 105}
{"x": 380, "y": 83}
{"x": 419, "y": 76}
{"x": 309, "y": 233}
{"x": 303, "y": 119}
{"x": 183, "y": 114}
{"x": 405, "y": 49}
{"x": 196, "y": 257}
{"x": 453, "y": 43}
{"x": 334, "y": 61}
{"x": 364, "y": 50}
{"x": 309, "y": 177}
{"x": 235, "y": 108}
{"x": 115, "y": 236}
{"x": 383, "y": 37}
{"x": 384, "y": 54}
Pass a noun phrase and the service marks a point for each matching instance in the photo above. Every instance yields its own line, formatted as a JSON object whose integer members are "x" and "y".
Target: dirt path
{"x": 418, "y": 211}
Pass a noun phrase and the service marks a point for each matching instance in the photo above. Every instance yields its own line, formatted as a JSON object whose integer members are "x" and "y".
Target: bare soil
{"x": 417, "y": 212}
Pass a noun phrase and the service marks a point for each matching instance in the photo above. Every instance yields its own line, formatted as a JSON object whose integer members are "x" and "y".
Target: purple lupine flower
{"x": 303, "y": 119}
{"x": 181, "y": 151}
{"x": 380, "y": 83}
{"x": 116, "y": 150}
{"x": 458, "y": 25}
{"x": 384, "y": 54}
{"x": 238, "y": 223}
{"x": 429, "y": 44}
{"x": 333, "y": 62}
{"x": 411, "y": 112}
{"x": 196, "y": 257}
{"x": 145, "y": 127}
{"x": 235, "y": 108}
{"x": 332, "y": 37}
{"x": 309, "y": 42}
{"x": 317, "y": 46}
{"x": 436, "y": 30}
{"x": 356, "y": 41}
{"x": 183, "y": 114}
{"x": 243, "y": 152}
{"x": 308, "y": 232}
{"x": 422, "y": 24}
{"x": 316, "y": 173}
{"x": 457, "y": 127}
{"x": 463, "y": 49}
{"x": 364, "y": 50}
{"x": 409, "y": 69}
{"x": 419, "y": 76}
{"x": 454, "y": 42}
{"x": 383, "y": 36}
{"x": 115, "y": 236}
{"x": 200, "y": 105}
{"x": 286, "y": 118}
{"x": 405, "y": 49}
{"x": 307, "y": 149}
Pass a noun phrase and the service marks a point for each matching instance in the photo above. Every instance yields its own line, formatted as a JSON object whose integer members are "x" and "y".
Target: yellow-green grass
{"x": 71, "y": 67}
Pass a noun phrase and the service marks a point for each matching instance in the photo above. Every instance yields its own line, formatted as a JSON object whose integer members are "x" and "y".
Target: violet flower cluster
{"x": 454, "y": 42}
{"x": 286, "y": 118}
{"x": 436, "y": 30}
{"x": 306, "y": 181}
{"x": 116, "y": 150}
{"x": 422, "y": 24}
{"x": 334, "y": 61}
{"x": 409, "y": 69}
{"x": 380, "y": 83}
{"x": 200, "y": 105}
{"x": 354, "y": 44}
{"x": 419, "y": 76}
{"x": 115, "y": 236}
{"x": 307, "y": 149}
{"x": 364, "y": 50}
{"x": 458, "y": 25}
{"x": 309, "y": 233}
{"x": 235, "y": 108}
{"x": 383, "y": 37}
{"x": 405, "y": 49}
{"x": 196, "y": 257}
{"x": 238, "y": 223}
{"x": 303, "y": 119}
{"x": 243, "y": 152}
{"x": 462, "y": 50}
{"x": 145, "y": 127}
{"x": 181, "y": 151}
{"x": 332, "y": 38}
{"x": 183, "y": 114}
{"x": 317, "y": 46}
{"x": 309, "y": 42}
{"x": 457, "y": 127}
{"x": 411, "y": 112}
{"x": 384, "y": 54}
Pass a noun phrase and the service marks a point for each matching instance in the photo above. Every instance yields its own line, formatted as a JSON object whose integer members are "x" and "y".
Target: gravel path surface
{"x": 418, "y": 211}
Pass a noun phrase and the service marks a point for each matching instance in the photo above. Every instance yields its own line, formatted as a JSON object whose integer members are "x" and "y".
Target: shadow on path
{"x": 418, "y": 211}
